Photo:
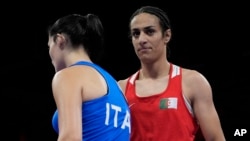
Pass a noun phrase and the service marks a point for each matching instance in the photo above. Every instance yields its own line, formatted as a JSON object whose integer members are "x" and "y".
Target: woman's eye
{"x": 150, "y": 32}
{"x": 135, "y": 34}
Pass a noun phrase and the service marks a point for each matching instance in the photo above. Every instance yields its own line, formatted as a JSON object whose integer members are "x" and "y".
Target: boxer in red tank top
{"x": 167, "y": 102}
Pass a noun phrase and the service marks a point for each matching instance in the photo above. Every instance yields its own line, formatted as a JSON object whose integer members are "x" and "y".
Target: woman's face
{"x": 147, "y": 37}
{"x": 55, "y": 53}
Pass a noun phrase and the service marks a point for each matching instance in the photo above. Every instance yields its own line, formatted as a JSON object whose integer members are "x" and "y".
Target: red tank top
{"x": 161, "y": 117}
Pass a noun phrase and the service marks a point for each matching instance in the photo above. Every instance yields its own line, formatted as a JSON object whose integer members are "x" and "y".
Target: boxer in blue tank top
{"x": 105, "y": 118}
{"x": 90, "y": 105}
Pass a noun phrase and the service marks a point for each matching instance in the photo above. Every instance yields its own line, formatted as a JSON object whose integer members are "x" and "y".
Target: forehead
{"x": 143, "y": 20}
{"x": 50, "y": 39}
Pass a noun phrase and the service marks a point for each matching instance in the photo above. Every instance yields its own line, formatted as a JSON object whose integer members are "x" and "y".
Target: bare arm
{"x": 199, "y": 92}
{"x": 67, "y": 95}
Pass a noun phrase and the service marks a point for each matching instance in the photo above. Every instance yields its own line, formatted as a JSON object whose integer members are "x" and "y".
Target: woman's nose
{"x": 142, "y": 38}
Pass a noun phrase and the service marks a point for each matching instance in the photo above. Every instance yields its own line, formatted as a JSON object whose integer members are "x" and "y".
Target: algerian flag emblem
{"x": 168, "y": 103}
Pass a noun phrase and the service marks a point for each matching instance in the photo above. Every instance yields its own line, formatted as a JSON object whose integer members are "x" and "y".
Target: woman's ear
{"x": 167, "y": 35}
{"x": 61, "y": 40}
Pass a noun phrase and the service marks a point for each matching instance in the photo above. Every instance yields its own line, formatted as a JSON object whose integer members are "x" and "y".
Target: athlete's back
{"x": 104, "y": 118}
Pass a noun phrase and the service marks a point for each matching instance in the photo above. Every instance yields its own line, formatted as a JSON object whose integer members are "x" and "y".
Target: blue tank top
{"x": 106, "y": 118}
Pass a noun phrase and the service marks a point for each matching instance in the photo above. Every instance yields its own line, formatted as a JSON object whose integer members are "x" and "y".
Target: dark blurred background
{"x": 208, "y": 36}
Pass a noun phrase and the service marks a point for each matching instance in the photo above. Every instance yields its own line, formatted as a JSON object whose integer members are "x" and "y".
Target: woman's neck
{"x": 154, "y": 70}
{"x": 74, "y": 57}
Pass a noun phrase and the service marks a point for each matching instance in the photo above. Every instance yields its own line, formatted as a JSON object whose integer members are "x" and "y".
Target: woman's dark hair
{"x": 82, "y": 30}
{"x": 163, "y": 18}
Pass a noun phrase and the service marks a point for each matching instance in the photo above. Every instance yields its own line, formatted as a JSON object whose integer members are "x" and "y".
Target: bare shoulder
{"x": 68, "y": 74}
{"x": 194, "y": 77}
{"x": 66, "y": 80}
{"x": 122, "y": 83}
{"x": 195, "y": 84}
